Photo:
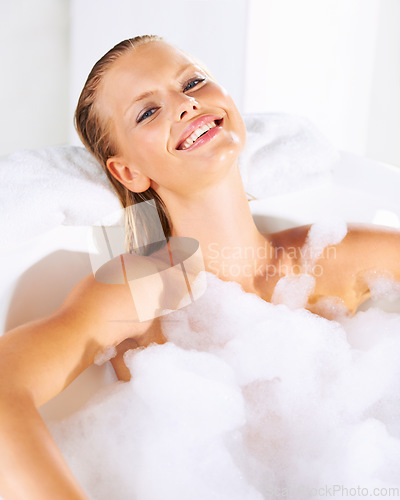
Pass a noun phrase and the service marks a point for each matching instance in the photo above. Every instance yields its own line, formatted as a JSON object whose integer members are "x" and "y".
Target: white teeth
{"x": 196, "y": 134}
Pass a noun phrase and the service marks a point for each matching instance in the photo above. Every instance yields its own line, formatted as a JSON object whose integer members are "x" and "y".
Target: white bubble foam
{"x": 293, "y": 290}
{"x": 383, "y": 286}
{"x": 246, "y": 400}
{"x": 329, "y": 231}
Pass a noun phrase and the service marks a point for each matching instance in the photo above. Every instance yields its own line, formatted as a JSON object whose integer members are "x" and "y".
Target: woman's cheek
{"x": 148, "y": 142}
{"x": 150, "y": 147}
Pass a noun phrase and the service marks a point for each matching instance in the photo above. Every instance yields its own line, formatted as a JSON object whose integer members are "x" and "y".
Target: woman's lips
{"x": 206, "y": 137}
{"x": 194, "y": 125}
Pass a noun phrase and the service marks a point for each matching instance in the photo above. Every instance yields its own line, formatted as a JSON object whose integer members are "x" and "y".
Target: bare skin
{"x": 203, "y": 191}
{"x": 343, "y": 270}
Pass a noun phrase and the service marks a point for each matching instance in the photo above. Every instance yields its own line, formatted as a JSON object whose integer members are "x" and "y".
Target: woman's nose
{"x": 186, "y": 106}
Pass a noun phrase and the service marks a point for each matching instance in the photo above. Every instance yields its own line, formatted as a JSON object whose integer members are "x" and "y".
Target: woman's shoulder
{"x": 345, "y": 266}
{"x": 105, "y": 299}
{"x": 356, "y": 237}
{"x": 346, "y": 253}
{"x": 108, "y": 298}
{"x": 292, "y": 237}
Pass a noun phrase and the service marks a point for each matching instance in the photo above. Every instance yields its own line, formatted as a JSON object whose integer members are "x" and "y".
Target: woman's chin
{"x": 230, "y": 152}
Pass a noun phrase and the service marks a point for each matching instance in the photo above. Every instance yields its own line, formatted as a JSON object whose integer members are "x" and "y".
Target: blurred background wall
{"x": 35, "y": 73}
{"x": 336, "y": 62}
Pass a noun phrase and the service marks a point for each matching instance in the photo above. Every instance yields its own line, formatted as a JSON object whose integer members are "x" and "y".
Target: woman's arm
{"x": 37, "y": 361}
{"x": 31, "y": 465}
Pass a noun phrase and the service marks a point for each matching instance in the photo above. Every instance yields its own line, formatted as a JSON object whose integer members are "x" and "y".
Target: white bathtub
{"x": 37, "y": 276}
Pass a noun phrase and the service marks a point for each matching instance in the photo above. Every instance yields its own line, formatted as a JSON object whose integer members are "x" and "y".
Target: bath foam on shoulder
{"x": 246, "y": 400}
{"x": 330, "y": 307}
{"x": 321, "y": 235}
{"x": 383, "y": 286}
{"x": 293, "y": 290}
{"x": 384, "y": 292}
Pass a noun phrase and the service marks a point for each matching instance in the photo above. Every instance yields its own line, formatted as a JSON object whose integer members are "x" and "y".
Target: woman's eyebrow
{"x": 138, "y": 98}
{"x": 149, "y": 93}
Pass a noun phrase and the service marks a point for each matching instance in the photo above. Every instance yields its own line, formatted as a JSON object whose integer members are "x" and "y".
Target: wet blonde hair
{"x": 95, "y": 133}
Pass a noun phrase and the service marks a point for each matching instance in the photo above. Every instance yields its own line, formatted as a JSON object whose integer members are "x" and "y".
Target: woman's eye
{"x": 146, "y": 114}
{"x": 193, "y": 83}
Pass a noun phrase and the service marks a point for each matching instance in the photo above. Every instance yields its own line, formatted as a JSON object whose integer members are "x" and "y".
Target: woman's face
{"x": 157, "y": 98}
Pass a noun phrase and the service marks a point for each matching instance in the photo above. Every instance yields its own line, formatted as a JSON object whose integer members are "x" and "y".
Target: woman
{"x": 141, "y": 114}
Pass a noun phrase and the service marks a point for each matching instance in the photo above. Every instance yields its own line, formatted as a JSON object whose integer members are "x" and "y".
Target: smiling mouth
{"x": 199, "y": 132}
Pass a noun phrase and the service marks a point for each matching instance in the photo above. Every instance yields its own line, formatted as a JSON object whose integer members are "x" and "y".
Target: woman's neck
{"x": 220, "y": 219}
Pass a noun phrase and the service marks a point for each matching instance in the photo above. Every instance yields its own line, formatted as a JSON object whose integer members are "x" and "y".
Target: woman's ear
{"x": 131, "y": 178}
